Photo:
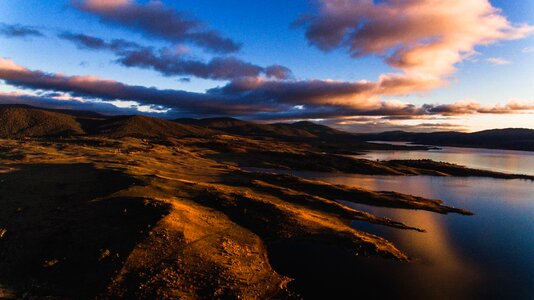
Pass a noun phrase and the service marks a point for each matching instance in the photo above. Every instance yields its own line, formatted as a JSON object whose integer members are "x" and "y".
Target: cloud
{"x": 169, "y": 63}
{"x": 19, "y": 31}
{"x": 7, "y": 65}
{"x": 467, "y": 107}
{"x": 422, "y": 38}
{"x": 155, "y": 19}
{"x": 528, "y": 50}
{"x": 353, "y": 124}
{"x": 278, "y": 71}
{"x": 498, "y": 61}
{"x": 92, "y": 87}
{"x": 361, "y": 95}
{"x": 252, "y": 98}
{"x": 247, "y": 96}
{"x": 376, "y": 125}
{"x": 513, "y": 106}
{"x": 306, "y": 92}
{"x": 108, "y": 90}
{"x": 57, "y": 102}
{"x": 84, "y": 41}
{"x": 173, "y": 62}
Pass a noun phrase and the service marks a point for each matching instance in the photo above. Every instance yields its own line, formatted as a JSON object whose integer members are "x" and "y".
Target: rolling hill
{"x": 298, "y": 130}
{"x": 19, "y": 122}
{"x": 141, "y": 126}
{"x": 244, "y": 128}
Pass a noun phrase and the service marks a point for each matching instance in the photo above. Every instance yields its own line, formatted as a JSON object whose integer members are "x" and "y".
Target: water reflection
{"x": 519, "y": 162}
{"x": 490, "y": 254}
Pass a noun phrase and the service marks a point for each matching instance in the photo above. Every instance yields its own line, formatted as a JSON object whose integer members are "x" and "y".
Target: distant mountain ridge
{"x": 66, "y": 122}
{"x": 509, "y": 138}
{"x": 141, "y": 126}
{"x": 246, "y": 128}
{"x": 19, "y": 121}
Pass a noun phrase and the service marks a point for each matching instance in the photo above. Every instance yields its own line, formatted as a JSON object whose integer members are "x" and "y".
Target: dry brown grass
{"x": 148, "y": 219}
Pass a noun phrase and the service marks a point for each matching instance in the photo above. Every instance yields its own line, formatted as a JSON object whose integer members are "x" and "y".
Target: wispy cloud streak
{"x": 19, "y": 31}
{"x": 498, "y": 61}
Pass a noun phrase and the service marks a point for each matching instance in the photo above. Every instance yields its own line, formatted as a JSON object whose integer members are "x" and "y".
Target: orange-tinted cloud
{"x": 375, "y": 125}
{"x": 468, "y": 107}
{"x": 422, "y": 38}
{"x": 253, "y": 97}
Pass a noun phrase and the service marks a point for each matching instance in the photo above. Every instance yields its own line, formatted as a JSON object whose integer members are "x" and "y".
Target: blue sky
{"x": 264, "y": 28}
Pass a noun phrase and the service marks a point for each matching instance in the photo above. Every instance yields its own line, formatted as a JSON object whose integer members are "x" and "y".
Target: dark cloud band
{"x": 170, "y": 62}
{"x": 155, "y": 19}
{"x": 19, "y": 31}
{"x": 252, "y": 98}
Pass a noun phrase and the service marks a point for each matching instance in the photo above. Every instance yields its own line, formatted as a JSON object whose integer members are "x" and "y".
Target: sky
{"x": 357, "y": 65}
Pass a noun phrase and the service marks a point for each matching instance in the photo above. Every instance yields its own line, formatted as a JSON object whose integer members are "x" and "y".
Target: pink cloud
{"x": 256, "y": 97}
{"x": 498, "y": 61}
{"x": 467, "y": 107}
{"x": 9, "y": 65}
{"x": 422, "y": 38}
{"x": 106, "y": 4}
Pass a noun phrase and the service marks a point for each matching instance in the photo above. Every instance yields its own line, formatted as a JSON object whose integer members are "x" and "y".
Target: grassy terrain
{"x": 165, "y": 220}
{"x": 137, "y": 207}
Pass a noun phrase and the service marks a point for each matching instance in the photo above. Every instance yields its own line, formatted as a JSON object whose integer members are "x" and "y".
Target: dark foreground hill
{"x": 510, "y": 139}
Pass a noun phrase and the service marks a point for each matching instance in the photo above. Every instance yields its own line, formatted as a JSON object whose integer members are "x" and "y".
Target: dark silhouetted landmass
{"x": 507, "y": 139}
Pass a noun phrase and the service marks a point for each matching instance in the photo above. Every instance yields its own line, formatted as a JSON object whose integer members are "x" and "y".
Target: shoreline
{"x": 224, "y": 216}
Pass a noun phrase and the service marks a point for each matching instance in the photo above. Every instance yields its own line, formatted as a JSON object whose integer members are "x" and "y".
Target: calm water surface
{"x": 486, "y": 256}
{"x": 509, "y": 161}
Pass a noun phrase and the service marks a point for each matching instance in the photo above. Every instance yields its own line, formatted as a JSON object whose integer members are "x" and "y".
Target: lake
{"x": 509, "y": 161}
{"x": 486, "y": 256}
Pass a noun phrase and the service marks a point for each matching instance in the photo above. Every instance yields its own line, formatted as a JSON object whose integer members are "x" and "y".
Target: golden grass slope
{"x": 148, "y": 219}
